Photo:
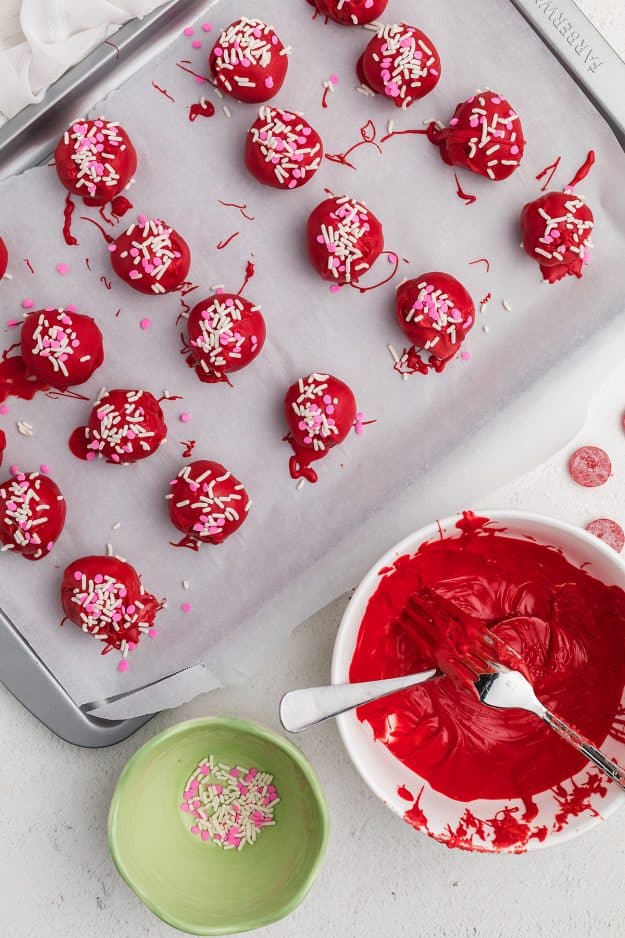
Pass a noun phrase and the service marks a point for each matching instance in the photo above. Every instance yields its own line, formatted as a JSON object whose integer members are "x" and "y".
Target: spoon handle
{"x": 573, "y": 738}
{"x": 301, "y": 709}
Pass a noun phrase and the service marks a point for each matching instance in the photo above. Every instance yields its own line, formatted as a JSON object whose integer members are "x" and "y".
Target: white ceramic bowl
{"x": 446, "y": 818}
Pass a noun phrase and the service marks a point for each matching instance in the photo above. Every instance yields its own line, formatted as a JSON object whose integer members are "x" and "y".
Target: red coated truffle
{"x": 484, "y": 135}
{"x": 61, "y": 347}
{"x": 104, "y": 596}
{"x": 151, "y": 257}
{"x": 95, "y": 160}
{"x": 4, "y": 258}
{"x": 225, "y": 332}
{"x": 344, "y": 239}
{"x": 282, "y": 149}
{"x": 557, "y": 229}
{"x": 320, "y": 411}
{"x": 248, "y": 61}
{"x": 351, "y": 12}
{"x": 32, "y": 514}
{"x": 435, "y": 312}
{"x": 207, "y": 503}
{"x": 124, "y": 427}
{"x": 401, "y": 63}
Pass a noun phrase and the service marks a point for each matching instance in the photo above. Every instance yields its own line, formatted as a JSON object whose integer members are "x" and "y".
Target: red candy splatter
{"x": 590, "y": 466}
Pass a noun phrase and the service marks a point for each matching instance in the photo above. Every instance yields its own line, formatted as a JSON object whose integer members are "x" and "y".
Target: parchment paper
{"x": 439, "y": 441}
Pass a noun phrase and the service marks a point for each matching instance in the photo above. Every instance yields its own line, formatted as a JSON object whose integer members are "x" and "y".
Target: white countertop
{"x": 380, "y": 877}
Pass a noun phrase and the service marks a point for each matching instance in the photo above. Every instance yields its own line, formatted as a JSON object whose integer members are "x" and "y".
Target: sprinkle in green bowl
{"x": 191, "y": 883}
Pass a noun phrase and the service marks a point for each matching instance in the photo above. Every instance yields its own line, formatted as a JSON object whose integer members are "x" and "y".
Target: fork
{"x": 505, "y": 689}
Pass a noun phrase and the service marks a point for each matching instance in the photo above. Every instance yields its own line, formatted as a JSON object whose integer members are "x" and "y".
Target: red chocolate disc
{"x": 95, "y": 160}
{"x": 344, "y": 239}
{"x": 32, "y": 514}
{"x": 401, "y": 63}
{"x": 485, "y": 135}
{"x": 151, "y": 257}
{"x": 609, "y": 532}
{"x": 282, "y": 149}
{"x": 225, "y": 332}
{"x": 248, "y": 61}
{"x": 435, "y": 312}
{"x": 557, "y": 229}
{"x": 351, "y": 12}
{"x": 104, "y": 596}
{"x": 124, "y": 427}
{"x": 60, "y": 347}
{"x": 590, "y": 466}
{"x": 4, "y": 258}
{"x": 207, "y": 503}
{"x": 320, "y": 412}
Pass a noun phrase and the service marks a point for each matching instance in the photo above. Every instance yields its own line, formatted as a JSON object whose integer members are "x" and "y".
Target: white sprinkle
{"x": 185, "y": 584}
{"x": 226, "y": 110}
{"x": 506, "y": 305}
{"x": 394, "y": 354}
{"x": 24, "y": 428}
{"x": 116, "y": 526}
{"x": 300, "y": 485}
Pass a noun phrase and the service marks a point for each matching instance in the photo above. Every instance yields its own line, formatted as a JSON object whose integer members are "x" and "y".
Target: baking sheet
{"x": 438, "y": 441}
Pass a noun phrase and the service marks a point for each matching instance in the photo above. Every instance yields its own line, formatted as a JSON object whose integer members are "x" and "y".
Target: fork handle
{"x": 573, "y": 738}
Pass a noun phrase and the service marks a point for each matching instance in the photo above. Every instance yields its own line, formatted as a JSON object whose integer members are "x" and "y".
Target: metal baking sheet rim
{"x": 28, "y": 139}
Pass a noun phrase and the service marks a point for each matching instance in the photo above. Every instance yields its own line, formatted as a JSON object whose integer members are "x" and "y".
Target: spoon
{"x": 301, "y": 709}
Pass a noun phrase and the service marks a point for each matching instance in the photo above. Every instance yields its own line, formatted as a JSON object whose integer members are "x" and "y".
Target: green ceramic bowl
{"x": 195, "y": 886}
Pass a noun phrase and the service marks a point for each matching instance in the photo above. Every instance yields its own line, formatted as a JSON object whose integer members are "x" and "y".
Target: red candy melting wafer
{"x": 248, "y": 61}
{"x": 32, "y": 514}
{"x": 95, "y": 160}
{"x": 344, "y": 239}
{"x": 225, "y": 332}
{"x": 207, "y": 503}
{"x": 435, "y": 312}
{"x": 401, "y": 63}
{"x": 124, "y": 427}
{"x": 104, "y": 596}
{"x": 351, "y": 12}
{"x": 151, "y": 257}
{"x": 590, "y": 466}
{"x": 320, "y": 411}
{"x": 282, "y": 149}
{"x": 609, "y": 532}
{"x": 4, "y": 258}
{"x": 484, "y": 135}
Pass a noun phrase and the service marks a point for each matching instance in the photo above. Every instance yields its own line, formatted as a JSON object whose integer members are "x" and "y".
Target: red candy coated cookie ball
{"x": 151, "y": 257}
{"x": 95, "y": 160}
{"x": 207, "y": 503}
{"x": 344, "y": 239}
{"x": 32, "y": 514}
{"x": 248, "y": 61}
{"x": 282, "y": 149}
{"x": 62, "y": 348}
{"x": 401, "y": 63}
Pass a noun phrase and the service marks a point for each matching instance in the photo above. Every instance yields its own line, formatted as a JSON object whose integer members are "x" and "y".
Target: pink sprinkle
{"x": 4, "y": 408}
{"x": 334, "y": 79}
{"x": 206, "y": 27}
{"x": 188, "y": 31}
{"x": 112, "y": 247}
{"x": 268, "y": 82}
{"x": 142, "y": 219}
{"x": 196, "y": 44}
{"x": 198, "y": 80}
{"x": 45, "y": 469}
{"x": 186, "y": 607}
{"x": 123, "y": 665}
{"x": 184, "y": 417}
{"x": 205, "y": 835}
{"x": 145, "y": 323}
{"x": 152, "y": 632}
{"x": 184, "y": 807}
{"x": 334, "y": 288}
{"x": 12, "y": 323}
{"x": 27, "y": 304}
{"x": 391, "y": 258}
{"x": 62, "y": 268}
{"x": 465, "y": 356}
{"x": 90, "y": 457}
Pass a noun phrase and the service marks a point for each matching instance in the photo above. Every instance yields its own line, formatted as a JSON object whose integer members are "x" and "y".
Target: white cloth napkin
{"x": 41, "y": 39}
